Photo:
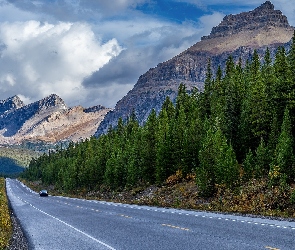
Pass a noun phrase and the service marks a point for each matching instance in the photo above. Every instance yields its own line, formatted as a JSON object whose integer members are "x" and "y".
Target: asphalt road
{"x": 59, "y": 223}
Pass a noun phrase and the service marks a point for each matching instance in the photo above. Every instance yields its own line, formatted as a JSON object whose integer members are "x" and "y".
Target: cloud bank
{"x": 38, "y": 59}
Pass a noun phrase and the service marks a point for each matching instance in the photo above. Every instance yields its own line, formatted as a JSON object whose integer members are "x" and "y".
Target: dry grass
{"x": 5, "y": 221}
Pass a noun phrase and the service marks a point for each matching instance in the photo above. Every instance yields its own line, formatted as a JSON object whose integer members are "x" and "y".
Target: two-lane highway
{"x": 65, "y": 223}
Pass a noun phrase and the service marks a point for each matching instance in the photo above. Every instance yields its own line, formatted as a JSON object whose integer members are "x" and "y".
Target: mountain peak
{"x": 11, "y": 103}
{"x": 15, "y": 101}
{"x": 52, "y": 101}
{"x": 264, "y": 16}
{"x": 266, "y": 6}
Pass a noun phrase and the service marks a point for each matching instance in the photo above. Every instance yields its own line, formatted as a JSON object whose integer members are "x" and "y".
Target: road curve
{"x": 57, "y": 223}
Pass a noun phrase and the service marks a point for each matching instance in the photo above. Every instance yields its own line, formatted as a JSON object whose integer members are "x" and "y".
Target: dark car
{"x": 43, "y": 193}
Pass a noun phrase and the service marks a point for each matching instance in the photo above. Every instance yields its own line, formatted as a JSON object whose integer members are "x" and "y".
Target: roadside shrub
{"x": 5, "y": 222}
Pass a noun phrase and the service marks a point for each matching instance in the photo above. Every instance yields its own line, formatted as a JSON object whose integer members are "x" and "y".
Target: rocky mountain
{"x": 237, "y": 35}
{"x": 11, "y": 103}
{"x": 48, "y": 120}
{"x": 262, "y": 17}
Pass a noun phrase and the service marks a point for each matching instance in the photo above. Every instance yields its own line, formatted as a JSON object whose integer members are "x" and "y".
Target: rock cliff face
{"x": 237, "y": 35}
{"x": 265, "y": 16}
{"x": 48, "y": 120}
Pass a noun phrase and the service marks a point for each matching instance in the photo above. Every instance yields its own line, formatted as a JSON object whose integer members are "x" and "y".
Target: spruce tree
{"x": 262, "y": 160}
{"x": 291, "y": 90}
{"x": 284, "y": 157}
{"x": 281, "y": 88}
{"x": 207, "y": 94}
{"x": 218, "y": 164}
{"x": 163, "y": 152}
{"x": 205, "y": 172}
{"x": 149, "y": 148}
{"x": 248, "y": 166}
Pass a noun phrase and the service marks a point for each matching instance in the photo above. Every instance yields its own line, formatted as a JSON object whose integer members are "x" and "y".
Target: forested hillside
{"x": 240, "y": 128}
{"x": 21, "y": 156}
{"x": 14, "y": 160}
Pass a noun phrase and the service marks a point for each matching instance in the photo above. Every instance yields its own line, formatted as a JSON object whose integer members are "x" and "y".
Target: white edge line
{"x": 76, "y": 229}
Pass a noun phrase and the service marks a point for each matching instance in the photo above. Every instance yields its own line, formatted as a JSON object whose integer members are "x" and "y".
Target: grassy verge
{"x": 5, "y": 222}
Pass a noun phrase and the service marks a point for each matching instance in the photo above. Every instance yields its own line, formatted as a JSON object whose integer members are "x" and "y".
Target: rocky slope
{"x": 48, "y": 120}
{"x": 237, "y": 35}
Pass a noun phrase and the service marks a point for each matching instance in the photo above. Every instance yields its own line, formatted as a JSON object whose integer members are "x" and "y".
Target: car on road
{"x": 43, "y": 193}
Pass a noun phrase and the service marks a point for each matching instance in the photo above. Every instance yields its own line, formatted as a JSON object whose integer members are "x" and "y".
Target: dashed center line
{"x": 272, "y": 248}
{"x": 125, "y": 216}
{"x": 176, "y": 227}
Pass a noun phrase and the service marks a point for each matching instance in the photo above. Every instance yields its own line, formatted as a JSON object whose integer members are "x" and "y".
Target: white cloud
{"x": 9, "y": 13}
{"x": 107, "y": 95}
{"x": 147, "y": 42}
{"x": 38, "y": 59}
{"x": 25, "y": 99}
{"x": 210, "y": 21}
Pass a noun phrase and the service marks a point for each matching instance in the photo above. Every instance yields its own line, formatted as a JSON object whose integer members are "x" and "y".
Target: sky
{"x": 92, "y": 52}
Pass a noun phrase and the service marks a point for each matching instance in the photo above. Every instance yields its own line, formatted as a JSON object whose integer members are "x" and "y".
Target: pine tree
{"x": 218, "y": 164}
{"x": 163, "y": 152}
{"x": 109, "y": 176}
{"x": 207, "y": 94}
{"x": 248, "y": 166}
{"x": 169, "y": 109}
{"x": 273, "y": 136}
{"x": 291, "y": 89}
{"x": 284, "y": 158}
{"x": 134, "y": 157}
{"x": 217, "y": 99}
{"x": 205, "y": 172}
{"x": 149, "y": 148}
{"x": 193, "y": 135}
{"x": 231, "y": 100}
{"x": 262, "y": 160}
{"x": 259, "y": 114}
{"x": 281, "y": 88}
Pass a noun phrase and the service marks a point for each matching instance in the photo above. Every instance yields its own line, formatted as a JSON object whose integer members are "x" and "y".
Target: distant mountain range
{"x": 237, "y": 35}
{"x": 48, "y": 120}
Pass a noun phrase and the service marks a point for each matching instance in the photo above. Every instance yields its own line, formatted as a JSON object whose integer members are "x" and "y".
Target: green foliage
{"x": 218, "y": 164}
{"x": 238, "y": 129}
{"x": 262, "y": 160}
{"x": 284, "y": 157}
{"x": 20, "y": 156}
{"x": 248, "y": 166}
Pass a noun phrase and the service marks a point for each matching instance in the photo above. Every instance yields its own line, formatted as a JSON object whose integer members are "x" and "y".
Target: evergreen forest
{"x": 238, "y": 129}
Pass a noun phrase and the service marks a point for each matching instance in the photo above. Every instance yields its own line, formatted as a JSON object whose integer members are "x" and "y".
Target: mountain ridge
{"x": 48, "y": 120}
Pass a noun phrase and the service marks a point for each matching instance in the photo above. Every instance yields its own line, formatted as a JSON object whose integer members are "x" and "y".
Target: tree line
{"x": 240, "y": 127}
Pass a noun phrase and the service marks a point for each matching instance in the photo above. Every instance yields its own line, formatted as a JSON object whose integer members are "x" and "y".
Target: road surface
{"x": 57, "y": 223}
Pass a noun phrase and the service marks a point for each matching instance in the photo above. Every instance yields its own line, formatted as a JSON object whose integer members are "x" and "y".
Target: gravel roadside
{"x": 18, "y": 240}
